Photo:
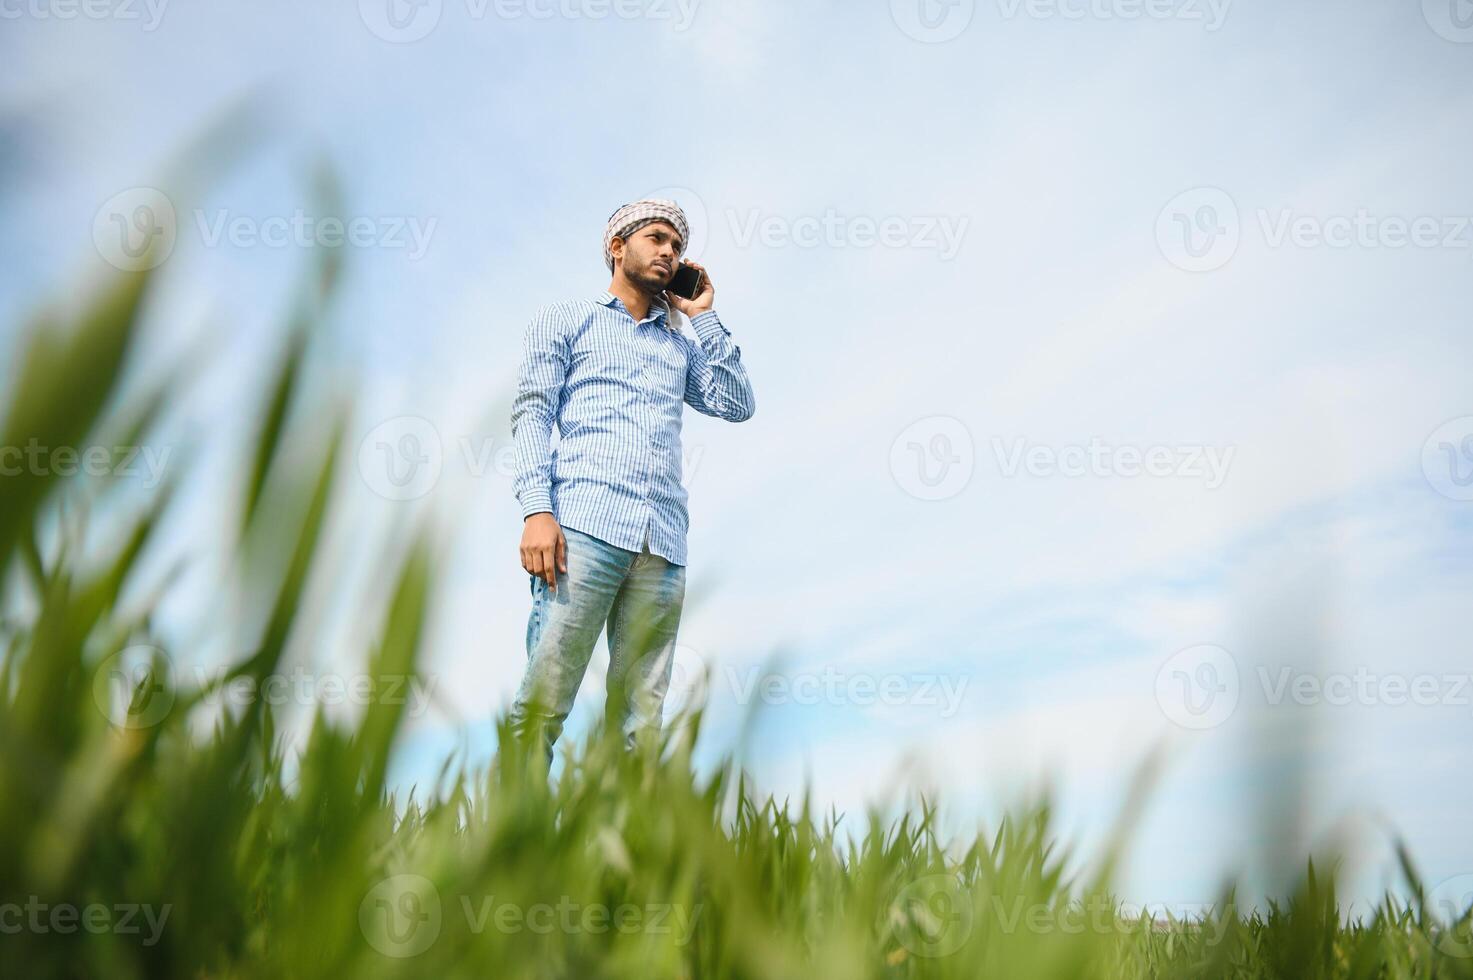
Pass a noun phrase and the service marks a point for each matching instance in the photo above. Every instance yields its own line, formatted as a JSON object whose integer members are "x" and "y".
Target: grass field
{"x": 144, "y": 835}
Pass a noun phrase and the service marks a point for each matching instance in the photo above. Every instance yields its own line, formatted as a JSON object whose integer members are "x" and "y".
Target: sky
{"x": 1111, "y": 363}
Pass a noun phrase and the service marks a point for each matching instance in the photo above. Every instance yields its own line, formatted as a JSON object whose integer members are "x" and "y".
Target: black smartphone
{"x": 687, "y": 282}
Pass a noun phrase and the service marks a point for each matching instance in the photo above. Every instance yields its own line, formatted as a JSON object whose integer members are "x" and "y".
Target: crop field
{"x": 137, "y": 840}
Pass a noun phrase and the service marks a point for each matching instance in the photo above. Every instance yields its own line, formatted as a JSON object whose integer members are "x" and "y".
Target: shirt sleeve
{"x": 716, "y": 382}
{"x": 535, "y": 408}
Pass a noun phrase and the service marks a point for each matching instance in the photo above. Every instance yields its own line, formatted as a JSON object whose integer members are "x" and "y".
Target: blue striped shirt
{"x": 616, "y": 390}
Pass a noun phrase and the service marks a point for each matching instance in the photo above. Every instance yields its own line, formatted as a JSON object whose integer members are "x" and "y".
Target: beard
{"x": 650, "y": 279}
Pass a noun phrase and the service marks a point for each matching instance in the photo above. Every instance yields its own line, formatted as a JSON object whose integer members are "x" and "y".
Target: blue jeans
{"x": 638, "y": 596}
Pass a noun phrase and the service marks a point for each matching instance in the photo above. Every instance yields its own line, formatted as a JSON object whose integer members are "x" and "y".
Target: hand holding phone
{"x": 687, "y": 282}
{"x": 691, "y": 290}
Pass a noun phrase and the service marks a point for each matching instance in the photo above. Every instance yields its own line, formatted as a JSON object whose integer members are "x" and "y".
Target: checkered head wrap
{"x": 632, "y": 217}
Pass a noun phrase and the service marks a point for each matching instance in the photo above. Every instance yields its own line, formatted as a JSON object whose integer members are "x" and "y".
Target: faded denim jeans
{"x": 639, "y": 597}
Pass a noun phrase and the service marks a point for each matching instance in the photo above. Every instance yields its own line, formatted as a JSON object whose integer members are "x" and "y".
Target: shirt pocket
{"x": 666, "y": 366}
{"x": 602, "y": 353}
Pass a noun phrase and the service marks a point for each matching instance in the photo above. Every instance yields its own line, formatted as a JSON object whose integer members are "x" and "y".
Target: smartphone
{"x": 687, "y": 282}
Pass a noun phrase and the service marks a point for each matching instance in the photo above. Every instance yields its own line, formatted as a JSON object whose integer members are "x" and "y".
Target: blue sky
{"x": 1183, "y": 232}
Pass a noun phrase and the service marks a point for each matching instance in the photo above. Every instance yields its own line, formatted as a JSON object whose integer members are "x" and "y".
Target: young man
{"x": 604, "y": 515}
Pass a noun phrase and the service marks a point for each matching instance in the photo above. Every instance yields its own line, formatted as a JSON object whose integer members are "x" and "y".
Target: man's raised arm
{"x": 716, "y": 382}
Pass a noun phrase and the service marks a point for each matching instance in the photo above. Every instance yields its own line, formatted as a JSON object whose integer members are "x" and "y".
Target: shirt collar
{"x": 659, "y": 308}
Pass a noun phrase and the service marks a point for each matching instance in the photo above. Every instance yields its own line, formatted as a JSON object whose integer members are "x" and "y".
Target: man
{"x": 604, "y": 515}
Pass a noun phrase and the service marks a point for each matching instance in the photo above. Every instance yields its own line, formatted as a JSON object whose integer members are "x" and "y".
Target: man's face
{"x": 651, "y": 256}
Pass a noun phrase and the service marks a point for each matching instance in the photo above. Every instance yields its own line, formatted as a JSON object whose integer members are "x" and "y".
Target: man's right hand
{"x": 544, "y": 549}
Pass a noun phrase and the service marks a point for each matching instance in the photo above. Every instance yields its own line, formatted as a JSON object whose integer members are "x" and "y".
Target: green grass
{"x": 236, "y": 864}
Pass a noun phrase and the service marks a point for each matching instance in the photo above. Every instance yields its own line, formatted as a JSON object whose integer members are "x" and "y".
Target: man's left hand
{"x": 704, "y": 300}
